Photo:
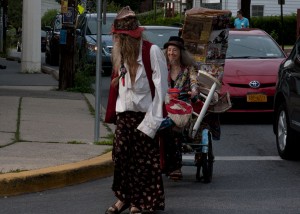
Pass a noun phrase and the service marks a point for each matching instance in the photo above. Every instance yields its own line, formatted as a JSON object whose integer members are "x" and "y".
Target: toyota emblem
{"x": 254, "y": 84}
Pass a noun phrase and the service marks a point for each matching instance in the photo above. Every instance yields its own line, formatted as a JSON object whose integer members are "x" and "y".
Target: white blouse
{"x": 138, "y": 97}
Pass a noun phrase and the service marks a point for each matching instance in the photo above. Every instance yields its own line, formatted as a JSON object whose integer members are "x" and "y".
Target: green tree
{"x": 14, "y": 13}
{"x": 134, "y": 4}
{"x": 48, "y": 17}
{"x": 91, "y": 6}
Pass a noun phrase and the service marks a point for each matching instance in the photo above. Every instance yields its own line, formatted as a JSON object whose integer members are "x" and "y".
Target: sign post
{"x": 281, "y": 2}
{"x": 298, "y": 23}
{"x": 67, "y": 44}
{"x": 3, "y": 24}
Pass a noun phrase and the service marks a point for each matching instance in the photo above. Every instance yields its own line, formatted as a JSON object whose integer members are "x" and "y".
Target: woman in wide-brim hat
{"x": 182, "y": 76}
{"x": 137, "y": 181}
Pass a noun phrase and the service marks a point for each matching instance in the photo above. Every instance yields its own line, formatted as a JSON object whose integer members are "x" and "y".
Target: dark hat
{"x": 175, "y": 40}
{"x": 127, "y": 23}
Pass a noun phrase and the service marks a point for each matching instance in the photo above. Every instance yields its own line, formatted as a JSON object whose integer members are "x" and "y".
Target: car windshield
{"x": 249, "y": 46}
{"x": 159, "y": 36}
{"x": 92, "y": 26}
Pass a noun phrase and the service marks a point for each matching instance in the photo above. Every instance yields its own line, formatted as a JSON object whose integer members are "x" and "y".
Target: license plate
{"x": 256, "y": 98}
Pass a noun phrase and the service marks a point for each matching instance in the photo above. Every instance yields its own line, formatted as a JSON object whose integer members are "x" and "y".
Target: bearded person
{"x": 135, "y": 106}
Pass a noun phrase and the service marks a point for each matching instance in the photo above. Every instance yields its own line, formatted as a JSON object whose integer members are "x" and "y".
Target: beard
{"x": 174, "y": 62}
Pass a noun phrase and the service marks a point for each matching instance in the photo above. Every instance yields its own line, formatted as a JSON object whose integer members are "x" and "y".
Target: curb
{"x": 11, "y": 58}
{"x": 56, "y": 177}
{"x": 51, "y": 71}
{"x": 44, "y": 68}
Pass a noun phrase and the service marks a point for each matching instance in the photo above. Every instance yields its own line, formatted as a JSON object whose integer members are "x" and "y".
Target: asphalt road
{"x": 249, "y": 178}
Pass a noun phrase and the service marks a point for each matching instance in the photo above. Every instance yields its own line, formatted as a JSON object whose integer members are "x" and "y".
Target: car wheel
{"x": 208, "y": 163}
{"x": 285, "y": 136}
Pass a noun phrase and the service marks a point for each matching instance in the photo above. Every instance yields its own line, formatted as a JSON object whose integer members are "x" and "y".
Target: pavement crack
{"x": 17, "y": 133}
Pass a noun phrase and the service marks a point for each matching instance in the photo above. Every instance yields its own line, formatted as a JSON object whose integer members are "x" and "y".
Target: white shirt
{"x": 138, "y": 97}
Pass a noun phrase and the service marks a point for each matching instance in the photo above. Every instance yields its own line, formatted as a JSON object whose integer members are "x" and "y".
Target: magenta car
{"x": 250, "y": 73}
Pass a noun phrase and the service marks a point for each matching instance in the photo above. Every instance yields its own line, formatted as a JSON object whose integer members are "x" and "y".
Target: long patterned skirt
{"x": 137, "y": 174}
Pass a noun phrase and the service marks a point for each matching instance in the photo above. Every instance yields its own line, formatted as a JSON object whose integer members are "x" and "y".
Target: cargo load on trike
{"x": 205, "y": 35}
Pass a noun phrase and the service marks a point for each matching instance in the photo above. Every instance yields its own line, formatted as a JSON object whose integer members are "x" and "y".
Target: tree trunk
{"x": 4, "y": 4}
{"x": 67, "y": 64}
{"x": 67, "y": 50}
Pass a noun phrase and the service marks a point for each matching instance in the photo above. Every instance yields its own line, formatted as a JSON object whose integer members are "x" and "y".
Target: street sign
{"x": 63, "y": 37}
{"x": 68, "y": 18}
{"x": 64, "y": 6}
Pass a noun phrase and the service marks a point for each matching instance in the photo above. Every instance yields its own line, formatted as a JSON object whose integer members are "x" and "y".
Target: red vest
{"x": 111, "y": 116}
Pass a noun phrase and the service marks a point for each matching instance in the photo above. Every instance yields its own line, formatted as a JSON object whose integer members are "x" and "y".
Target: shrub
{"x": 48, "y": 17}
{"x": 272, "y": 25}
{"x": 83, "y": 79}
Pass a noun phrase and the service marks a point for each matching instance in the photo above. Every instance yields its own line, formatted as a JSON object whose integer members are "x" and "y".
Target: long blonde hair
{"x": 126, "y": 49}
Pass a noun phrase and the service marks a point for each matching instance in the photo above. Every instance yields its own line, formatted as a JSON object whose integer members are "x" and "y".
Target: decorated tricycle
{"x": 205, "y": 35}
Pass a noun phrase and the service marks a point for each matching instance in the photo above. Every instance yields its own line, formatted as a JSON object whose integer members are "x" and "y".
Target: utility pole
{"x": 67, "y": 44}
{"x": 245, "y": 6}
{"x": 31, "y": 37}
{"x": 281, "y": 2}
{"x": 298, "y": 23}
{"x": 3, "y": 24}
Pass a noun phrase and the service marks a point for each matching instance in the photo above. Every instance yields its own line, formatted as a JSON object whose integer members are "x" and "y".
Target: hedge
{"x": 270, "y": 24}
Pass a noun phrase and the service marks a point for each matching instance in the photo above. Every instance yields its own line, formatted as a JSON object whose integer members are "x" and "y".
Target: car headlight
{"x": 91, "y": 47}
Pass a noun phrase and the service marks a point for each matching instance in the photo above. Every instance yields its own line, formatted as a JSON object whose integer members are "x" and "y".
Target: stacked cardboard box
{"x": 205, "y": 33}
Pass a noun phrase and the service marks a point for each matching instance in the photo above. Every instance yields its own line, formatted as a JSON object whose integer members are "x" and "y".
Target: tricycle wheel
{"x": 207, "y": 169}
{"x": 198, "y": 176}
{"x": 206, "y": 162}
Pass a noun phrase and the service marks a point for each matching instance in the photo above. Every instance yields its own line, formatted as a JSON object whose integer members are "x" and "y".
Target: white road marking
{"x": 239, "y": 158}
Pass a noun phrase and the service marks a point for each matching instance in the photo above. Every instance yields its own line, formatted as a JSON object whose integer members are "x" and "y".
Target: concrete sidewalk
{"x": 46, "y": 136}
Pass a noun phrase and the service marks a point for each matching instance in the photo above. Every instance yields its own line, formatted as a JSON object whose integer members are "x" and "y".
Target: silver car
{"x": 159, "y": 35}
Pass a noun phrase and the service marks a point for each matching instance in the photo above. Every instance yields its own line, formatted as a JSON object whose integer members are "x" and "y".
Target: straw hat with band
{"x": 127, "y": 23}
{"x": 175, "y": 40}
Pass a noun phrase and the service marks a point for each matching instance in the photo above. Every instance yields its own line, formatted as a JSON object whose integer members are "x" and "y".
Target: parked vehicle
{"x": 159, "y": 35}
{"x": 52, "y": 44}
{"x": 286, "y": 123}
{"x": 250, "y": 71}
{"x": 86, "y": 39}
{"x": 43, "y": 42}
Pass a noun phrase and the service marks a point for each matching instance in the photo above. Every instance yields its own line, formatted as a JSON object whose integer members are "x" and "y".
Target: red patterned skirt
{"x": 137, "y": 173}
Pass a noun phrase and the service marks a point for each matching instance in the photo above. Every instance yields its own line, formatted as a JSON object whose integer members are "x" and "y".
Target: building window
{"x": 212, "y": 4}
{"x": 258, "y": 10}
{"x": 211, "y": 1}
